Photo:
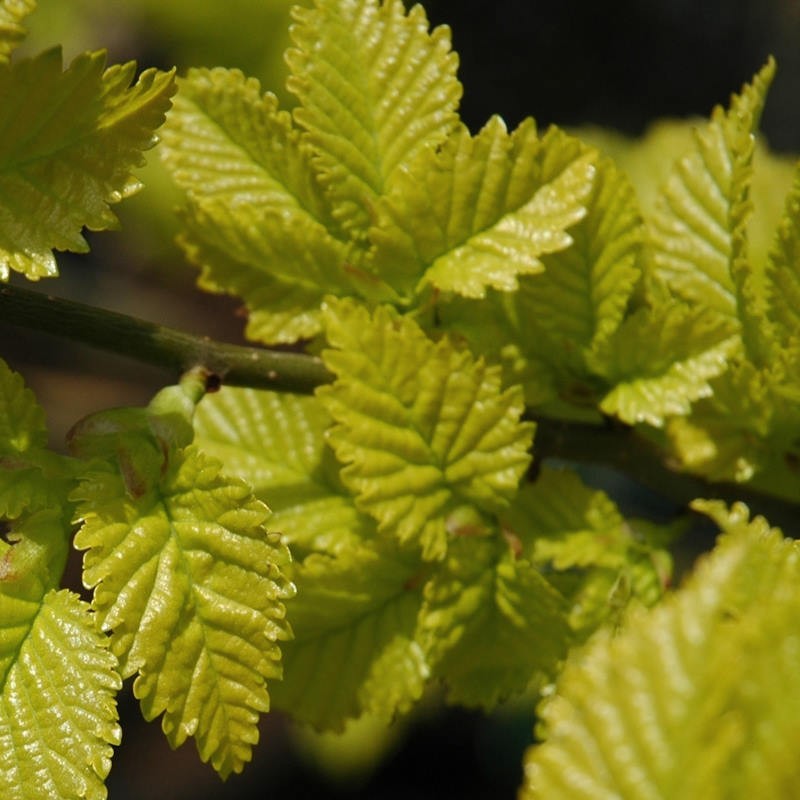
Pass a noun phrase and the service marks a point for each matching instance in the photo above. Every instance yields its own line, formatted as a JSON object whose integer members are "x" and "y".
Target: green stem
{"x": 615, "y": 446}
{"x": 160, "y": 346}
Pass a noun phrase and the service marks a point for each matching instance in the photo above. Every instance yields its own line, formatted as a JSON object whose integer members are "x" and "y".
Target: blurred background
{"x": 572, "y": 63}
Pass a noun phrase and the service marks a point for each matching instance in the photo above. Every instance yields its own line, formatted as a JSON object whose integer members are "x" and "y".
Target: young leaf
{"x": 276, "y": 442}
{"x": 58, "y": 716}
{"x": 423, "y": 427}
{"x": 748, "y": 429}
{"x": 71, "y": 139}
{"x": 257, "y": 222}
{"x": 30, "y": 475}
{"x": 660, "y": 360}
{"x": 191, "y": 588}
{"x": 184, "y": 574}
{"x": 58, "y": 680}
{"x": 12, "y": 12}
{"x": 479, "y": 212}
{"x": 375, "y": 90}
{"x": 22, "y": 425}
{"x": 577, "y": 537}
{"x": 582, "y": 296}
{"x": 783, "y": 276}
{"x": 698, "y": 229}
{"x": 552, "y": 333}
{"x": 694, "y": 698}
{"x": 22, "y": 435}
{"x": 723, "y": 437}
{"x": 491, "y": 625}
{"x": 353, "y": 648}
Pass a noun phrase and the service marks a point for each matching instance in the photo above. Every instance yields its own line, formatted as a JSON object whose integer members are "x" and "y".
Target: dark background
{"x": 621, "y": 65}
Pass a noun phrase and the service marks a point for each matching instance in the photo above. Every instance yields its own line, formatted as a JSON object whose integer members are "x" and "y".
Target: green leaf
{"x": 58, "y": 716}
{"x": 491, "y": 624}
{"x": 22, "y": 424}
{"x": 723, "y": 437}
{"x": 276, "y": 442}
{"x": 582, "y": 296}
{"x": 647, "y": 160}
{"x": 694, "y": 698}
{"x": 141, "y": 442}
{"x": 577, "y": 537}
{"x": 71, "y": 139}
{"x": 191, "y": 587}
{"x": 747, "y": 430}
{"x": 32, "y": 563}
{"x": 257, "y": 222}
{"x": 376, "y": 88}
{"x": 58, "y": 680}
{"x": 551, "y": 334}
{"x": 12, "y": 12}
{"x": 479, "y": 212}
{"x": 30, "y": 475}
{"x": 423, "y": 427}
{"x": 783, "y": 276}
{"x": 698, "y": 228}
{"x": 238, "y": 254}
{"x": 22, "y": 440}
{"x": 353, "y": 649}
{"x": 660, "y": 360}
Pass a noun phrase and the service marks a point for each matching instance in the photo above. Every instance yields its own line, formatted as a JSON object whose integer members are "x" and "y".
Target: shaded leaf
{"x": 685, "y": 349}
{"x": 577, "y": 537}
{"x": 30, "y": 475}
{"x": 491, "y": 625}
{"x": 353, "y": 648}
{"x": 783, "y": 275}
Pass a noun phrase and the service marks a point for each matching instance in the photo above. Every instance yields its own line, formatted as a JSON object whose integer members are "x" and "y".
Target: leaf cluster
{"x": 458, "y": 288}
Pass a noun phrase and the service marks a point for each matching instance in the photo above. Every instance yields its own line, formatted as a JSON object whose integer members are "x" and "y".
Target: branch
{"x": 616, "y": 446}
{"x": 160, "y": 346}
{"x": 628, "y": 452}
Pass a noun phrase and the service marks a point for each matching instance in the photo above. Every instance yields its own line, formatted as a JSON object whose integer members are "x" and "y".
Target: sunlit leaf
{"x": 698, "y": 228}
{"x": 687, "y": 348}
{"x": 71, "y": 140}
{"x": 58, "y": 716}
{"x": 186, "y": 579}
{"x": 581, "y": 297}
{"x": 694, "y": 698}
{"x": 257, "y": 222}
{"x": 375, "y": 88}
{"x": 480, "y": 211}
{"x": 422, "y": 427}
